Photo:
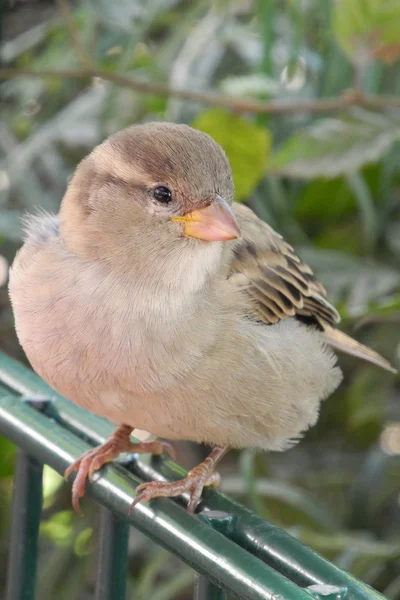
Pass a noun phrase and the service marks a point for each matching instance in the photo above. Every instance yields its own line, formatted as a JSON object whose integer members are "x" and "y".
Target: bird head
{"x": 150, "y": 186}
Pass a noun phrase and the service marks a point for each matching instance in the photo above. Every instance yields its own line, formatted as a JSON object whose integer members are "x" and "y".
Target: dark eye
{"x": 162, "y": 194}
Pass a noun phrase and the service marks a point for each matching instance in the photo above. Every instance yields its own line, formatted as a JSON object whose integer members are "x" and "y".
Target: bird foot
{"x": 194, "y": 483}
{"x": 95, "y": 458}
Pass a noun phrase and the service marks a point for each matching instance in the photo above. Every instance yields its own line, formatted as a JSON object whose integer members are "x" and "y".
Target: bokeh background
{"x": 307, "y": 107}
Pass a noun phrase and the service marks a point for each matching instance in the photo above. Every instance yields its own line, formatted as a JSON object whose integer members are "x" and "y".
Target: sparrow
{"x": 157, "y": 302}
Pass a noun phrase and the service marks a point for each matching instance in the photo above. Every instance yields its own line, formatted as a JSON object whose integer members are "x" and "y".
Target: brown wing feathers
{"x": 280, "y": 285}
{"x": 278, "y": 281}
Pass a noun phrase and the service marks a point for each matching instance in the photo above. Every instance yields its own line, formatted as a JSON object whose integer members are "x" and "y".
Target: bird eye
{"x": 162, "y": 194}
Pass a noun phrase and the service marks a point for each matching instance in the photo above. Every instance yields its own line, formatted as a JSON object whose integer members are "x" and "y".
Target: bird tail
{"x": 340, "y": 341}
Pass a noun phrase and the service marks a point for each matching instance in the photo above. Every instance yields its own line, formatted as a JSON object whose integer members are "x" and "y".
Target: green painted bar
{"x": 269, "y": 543}
{"x": 112, "y": 557}
{"x": 272, "y": 545}
{"x": 204, "y": 589}
{"x": 197, "y": 544}
{"x": 25, "y": 522}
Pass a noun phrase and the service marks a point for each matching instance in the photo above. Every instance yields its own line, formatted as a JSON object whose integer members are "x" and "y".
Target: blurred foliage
{"x": 246, "y": 145}
{"x": 330, "y": 183}
{"x": 368, "y": 27}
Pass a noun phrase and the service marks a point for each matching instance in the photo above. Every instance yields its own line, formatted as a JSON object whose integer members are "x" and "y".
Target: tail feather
{"x": 340, "y": 341}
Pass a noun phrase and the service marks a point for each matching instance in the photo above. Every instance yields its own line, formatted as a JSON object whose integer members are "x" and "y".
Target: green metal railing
{"x": 231, "y": 549}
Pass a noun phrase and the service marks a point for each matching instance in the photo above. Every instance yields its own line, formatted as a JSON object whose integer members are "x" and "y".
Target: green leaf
{"x": 353, "y": 540}
{"x": 287, "y": 494}
{"x": 366, "y": 207}
{"x": 83, "y": 542}
{"x": 346, "y": 235}
{"x": 335, "y": 146}
{"x": 314, "y": 211}
{"x": 7, "y": 455}
{"x": 247, "y": 467}
{"x": 51, "y": 483}
{"x": 58, "y": 528}
{"x": 368, "y": 29}
{"x": 246, "y": 145}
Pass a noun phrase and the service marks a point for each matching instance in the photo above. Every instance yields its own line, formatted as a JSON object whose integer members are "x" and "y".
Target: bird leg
{"x": 194, "y": 483}
{"x": 95, "y": 458}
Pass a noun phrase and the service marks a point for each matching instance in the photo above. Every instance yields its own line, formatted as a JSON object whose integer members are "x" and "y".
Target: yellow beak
{"x": 215, "y": 223}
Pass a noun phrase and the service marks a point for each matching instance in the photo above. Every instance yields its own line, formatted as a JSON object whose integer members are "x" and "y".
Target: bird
{"x": 154, "y": 300}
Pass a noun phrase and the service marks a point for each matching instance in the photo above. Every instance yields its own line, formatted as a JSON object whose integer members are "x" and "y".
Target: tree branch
{"x": 323, "y": 105}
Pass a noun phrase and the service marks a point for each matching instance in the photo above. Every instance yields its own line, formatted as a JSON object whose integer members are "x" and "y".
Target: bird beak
{"x": 215, "y": 223}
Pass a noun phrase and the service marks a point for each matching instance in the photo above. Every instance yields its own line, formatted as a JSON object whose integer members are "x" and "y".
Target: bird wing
{"x": 279, "y": 285}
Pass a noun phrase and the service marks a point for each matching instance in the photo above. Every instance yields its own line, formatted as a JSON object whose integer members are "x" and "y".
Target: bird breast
{"x": 85, "y": 330}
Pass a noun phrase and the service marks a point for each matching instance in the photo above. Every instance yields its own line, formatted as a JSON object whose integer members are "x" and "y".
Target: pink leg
{"x": 194, "y": 483}
{"x": 95, "y": 458}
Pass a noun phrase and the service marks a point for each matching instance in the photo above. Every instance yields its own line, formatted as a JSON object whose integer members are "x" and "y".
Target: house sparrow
{"x": 157, "y": 302}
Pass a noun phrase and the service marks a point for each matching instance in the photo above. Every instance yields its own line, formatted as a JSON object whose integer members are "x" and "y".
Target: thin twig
{"x": 322, "y": 105}
{"x": 68, "y": 18}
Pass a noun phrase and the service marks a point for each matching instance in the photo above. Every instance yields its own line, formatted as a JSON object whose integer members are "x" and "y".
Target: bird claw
{"x": 194, "y": 483}
{"x": 95, "y": 458}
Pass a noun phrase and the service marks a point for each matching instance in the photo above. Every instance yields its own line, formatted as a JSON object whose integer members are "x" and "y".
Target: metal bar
{"x": 197, "y": 544}
{"x": 25, "y": 522}
{"x": 272, "y": 545}
{"x": 112, "y": 557}
{"x": 204, "y": 589}
{"x": 269, "y": 543}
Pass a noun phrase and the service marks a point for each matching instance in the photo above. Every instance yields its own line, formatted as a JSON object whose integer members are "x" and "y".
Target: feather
{"x": 340, "y": 341}
{"x": 279, "y": 285}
